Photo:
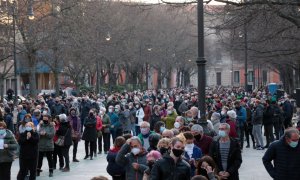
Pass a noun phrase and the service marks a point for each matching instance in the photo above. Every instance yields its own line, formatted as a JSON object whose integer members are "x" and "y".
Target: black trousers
{"x": 106, "y": 141}
{"x": 98, "y": 144}
{"x": 92, "y": 145}
{"x": 5, "y": 168}
{"x": 49, "y": 159}
{"x": 57, "y": 152}
{"x": 65, "y": 154}
{"x": 269, "y": 133}
{"x": 248, "y": 132}
{"x": 287, "y": 122}
{"x": 25, "y": 166}
{"x": 75, "y": 146}
{"x": 241, "y": 134}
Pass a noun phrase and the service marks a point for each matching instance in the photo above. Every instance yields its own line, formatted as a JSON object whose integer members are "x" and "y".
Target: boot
{"x": 51, "y": 173}
{"x": 66, "y": 169}
{"x": 75, "y": 160}
{"x": 38, "y": 173}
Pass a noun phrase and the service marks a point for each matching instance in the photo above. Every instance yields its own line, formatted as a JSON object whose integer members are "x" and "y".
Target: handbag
{"x": 61, "y": 140}
{"x": 75, "y": 135}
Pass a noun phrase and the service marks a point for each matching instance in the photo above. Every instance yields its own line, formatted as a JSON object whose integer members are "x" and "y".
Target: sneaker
{"x": 260, "y": 148}
{"x": 75, "y": 160}
{"x": 51, "y": 174}
{"x": 91, "y": 158}
{"x": 86, "y": 157}
{"x": 66, "y": 170}
{"x": 248, "y": 146}
{"x": 95, "y": 155}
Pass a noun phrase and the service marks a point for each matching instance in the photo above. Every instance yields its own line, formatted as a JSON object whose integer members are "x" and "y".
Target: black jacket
{"x": 65, "y": 130}
{"x": 90, "y": 132}
{"x": 285, "y": 159}
{"x": 113, "y": 168}
{"x": 234, "y": 160}
{"x": 154, "y": 119}
{"x": 57, "y": 109}
{"x": 166, "y": 169}
{"x": 268, "y": 115}
{"x": 29, "y": 147}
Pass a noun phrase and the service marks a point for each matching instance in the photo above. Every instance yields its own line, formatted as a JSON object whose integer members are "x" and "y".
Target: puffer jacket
{"x": 166, "y": 169}
{"x": 7, "y": 154}
{"x": 258, "y": 114}
{"x": 66, "y": 131}
{"x": 125, "y": 159}
{"x": 46, "y": 141}
{"x": 29, "y": 147}
{"x": 170, "y": 120}
{"x": 113, "y": 168}
{"x": 90, "y": 131}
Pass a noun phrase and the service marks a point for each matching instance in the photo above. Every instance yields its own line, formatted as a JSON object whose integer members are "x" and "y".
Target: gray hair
{"x": 225, "y": 124}
{"x": 197, "y": 128}
{"x": 146, "y": 123}
{"x": 288, "y": 132}
{"x": 136, "y": 139}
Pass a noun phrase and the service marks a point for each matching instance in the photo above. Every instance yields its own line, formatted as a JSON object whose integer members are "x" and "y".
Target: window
{"x": 265, "y": 76}
{"x": 218, "y": 54}
{"x": 236, "y": 76}
{"x": 250, "y": 76}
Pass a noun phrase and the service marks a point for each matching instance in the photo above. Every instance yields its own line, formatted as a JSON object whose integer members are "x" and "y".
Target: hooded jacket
{"x": 125, "y": 159}
{"x": 46, "y": 141}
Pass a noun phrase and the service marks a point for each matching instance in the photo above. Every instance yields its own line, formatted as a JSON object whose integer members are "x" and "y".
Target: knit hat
{"x": 231, "y": 114}
{"x": 63, "y": 118}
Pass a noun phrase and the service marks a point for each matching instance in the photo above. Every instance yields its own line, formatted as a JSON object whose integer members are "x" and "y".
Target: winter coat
{"x": 105, "y": 124}
{"x": 140, "y": 136}
{"x": 75, "y": 130}
{"x": 57, "y": 109}
{"x": 8, "y": 119}
{"x": 113, "y": 168}
{"x": 288, "y": 109}
{"x": 153, "y": 120}
{"x": 241, "y": 116}
{"x": 114, "y": 120}
{"x": 166, "y": 169}
{"x": 234, "y": 160}
{"x": 29, "y": 147}
{"x": 197, "y": 154}
{"x": 124, "y": 119}
{"x": 232, "y": 132}
{"x": 90, "y": 132}
{"x": 257, "y": 115}
{"x": 139, "y": 116}
{"x": 7, "y": 154}
{"x": 125, "y": 160}
{"x": 84, "y": 109}
{"x": 268, "y": 115}
{"x": 170, "y": 120}
{"x": 65, "y": 130}
{"x": 183, "y": 107}
{"x": 46, "y": 141}
{"x": 285, "y": 159}
{"x": 98, "y": 124}
{"x": 21, "y": 115}
{"x": 147, "y": 112}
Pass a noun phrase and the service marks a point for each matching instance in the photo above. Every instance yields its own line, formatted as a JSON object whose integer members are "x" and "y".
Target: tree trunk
{"x": 2, "y": 88}
{"x": 187, "y": 80}
{"x": 159, "y": 80}
{"x": 32, "y": 75}
{"x": 178, "y": 77}
{"x": 56, "y": 79}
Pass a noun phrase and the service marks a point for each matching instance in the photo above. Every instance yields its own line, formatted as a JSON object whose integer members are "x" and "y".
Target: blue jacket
{"x": 114, "y": 120}
{"x": 197, "y": 154}
{"x": 241, "y": 116}
{"x": 21, "y": 115}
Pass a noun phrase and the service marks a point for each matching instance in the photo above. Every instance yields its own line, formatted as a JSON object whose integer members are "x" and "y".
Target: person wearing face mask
{"x": 8, "y": 145}
{"x": 169, "y": 120}
{"x": 207, "y": 168}
{"x": 152, "y": 157}
{"x": 184, "y": 106}
{"x": 188, "y": 117}
{"x": 163, "y": 145}
{"x": 76, "y": 134}
{"x": 105, "y": 130}
{"x": 285, "y": 154}
{"x": 201, "y": 140}
{"x": 147, "y": 110}
{"x": 28, "y": 157}
{"x": 226, "y": 152}
{"x": 90, "y": 134}
{"x": 179, "y": 123}
{"x": 172, "y": 166}
{"x": 145, "y": 133}
{"x": 85, "y": 107}
{"x": 159, "y": 127}
{"x": 132, "y": 111}
{"x": 192, "y": 153}
{"x": 177, "y": 103}
{"x": 135, "y": 162}
{"x": 57, "y": 108}
{"x": 223, "y": 114}
{"x": 46, "y": 145}
{"x": 155, "y": 117}
{"x": 231, "y": 120}
{"x": 241, "y": 117}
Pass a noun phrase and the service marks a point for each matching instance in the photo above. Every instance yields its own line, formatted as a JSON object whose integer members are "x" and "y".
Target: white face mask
{"x": 135, "y": 151}
{"x": 169, "y": 112}
{"x": 189, "y": 146}
{"x": 223, "y": 112}
{"x": 177, "y": 125}
{"x": 110, "y": 110}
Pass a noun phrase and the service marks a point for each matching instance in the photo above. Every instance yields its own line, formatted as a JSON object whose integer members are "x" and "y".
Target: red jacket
{"x": 99, "y": 123}
{"x": 147, "y": 111}
{"x": 232, "y": 132}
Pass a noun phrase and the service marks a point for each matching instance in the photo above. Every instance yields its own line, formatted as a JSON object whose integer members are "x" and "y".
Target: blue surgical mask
{"x": 293, "y": 144}
{"x": 222, "y": 133}
{"x": 161, "y": 129}
{"x": 28, "y": 128}
{"x": 2, "y": 131}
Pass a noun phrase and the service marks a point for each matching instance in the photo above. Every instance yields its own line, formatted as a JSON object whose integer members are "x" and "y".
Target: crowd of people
{"x": 155, "y": 134}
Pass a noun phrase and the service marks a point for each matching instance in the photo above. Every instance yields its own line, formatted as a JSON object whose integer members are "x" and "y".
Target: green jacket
{"x": 46, "y": 141}
{"x": 7, "y": 154}
{"x": 140, "y": 136}
{"x": 106, "y": 122}
{"x": 170, "y": 120}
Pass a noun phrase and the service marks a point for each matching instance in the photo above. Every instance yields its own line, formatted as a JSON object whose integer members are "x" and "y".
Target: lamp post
{"x": 201, "y": 67}
{"x": 246, "y": 57}
{"x": 15, "y": 53}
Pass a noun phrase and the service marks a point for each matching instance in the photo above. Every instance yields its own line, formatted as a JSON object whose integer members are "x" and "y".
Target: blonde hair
{"x": 162, "y": 141}
{"x": 181, "y": 137}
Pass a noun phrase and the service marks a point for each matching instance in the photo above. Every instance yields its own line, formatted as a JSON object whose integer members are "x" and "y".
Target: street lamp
{"x": 108, "y": 37}
{"x": 201, "y": 68}
{"x": 30, "y": 11}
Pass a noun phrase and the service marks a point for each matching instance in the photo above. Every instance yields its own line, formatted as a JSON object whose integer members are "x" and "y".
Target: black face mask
{"x": 177, "y": 152}
{"x": 198, "y": 137}
{"x": 45, "y": 122}
{"x": 91, "y": 114}
{"x": 203, "y": 172}
{"x": 150, "y": 164}
{"x": 163, "y": 150}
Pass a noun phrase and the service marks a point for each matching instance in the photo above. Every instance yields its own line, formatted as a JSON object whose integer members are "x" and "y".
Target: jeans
{"x": 57, "y": 152}
{"x": 75, "y": 146}
{"x": 278, "y": 131}
{"x": 269, "y": 133}
{"x": 25, "y": 166}
{"x": 65, "y": 154}
{"x": 49, "y": 159}
{"x": 106, "y": 141}
{"x": 5, "y": 168}
{"x": 258, "y": 135}
{"x": 91, "y": 150}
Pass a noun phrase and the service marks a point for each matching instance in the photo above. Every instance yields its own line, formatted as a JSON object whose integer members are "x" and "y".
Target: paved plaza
{"x": 252, "y": 167}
